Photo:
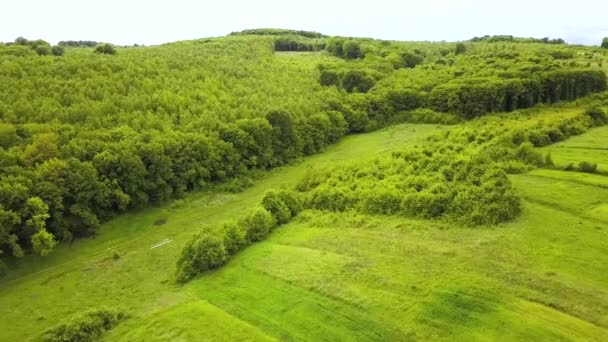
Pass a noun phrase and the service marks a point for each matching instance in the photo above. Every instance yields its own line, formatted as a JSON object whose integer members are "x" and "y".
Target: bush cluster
{"x": 212, "y": 247}
{"x": 435, "y": 182}
{"x": 85, "y": 327}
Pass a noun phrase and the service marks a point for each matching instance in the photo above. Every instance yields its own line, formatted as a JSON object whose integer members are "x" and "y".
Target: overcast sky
{"x": 155, "y": 22}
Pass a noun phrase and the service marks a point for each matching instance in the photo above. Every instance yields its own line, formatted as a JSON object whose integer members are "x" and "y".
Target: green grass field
{"x": 590, "y": 147}
{"x": 341, "y": 277}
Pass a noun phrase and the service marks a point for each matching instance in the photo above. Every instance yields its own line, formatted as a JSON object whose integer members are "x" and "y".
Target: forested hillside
{"x": 89, "y": 132}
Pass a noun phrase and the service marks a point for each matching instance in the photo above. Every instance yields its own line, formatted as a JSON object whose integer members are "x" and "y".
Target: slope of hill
{"x": 481, "y": 217}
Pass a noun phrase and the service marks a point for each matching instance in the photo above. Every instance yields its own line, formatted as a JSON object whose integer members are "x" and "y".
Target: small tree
{"x": 460, "y": 49}
{"x": 351, "y": 50}
{"x": 43, "y": 242}
{"x": 57, "y": 50}
{"x": 43, "y": 50}
{"x": 587, "y": 167}
{"x": 275, "y": 205}
{"x": 21, "y": 41}
{"x": 106, "y": 49}
{"x": 204, "y": 252}
{"x": 605, "y": 43}
{"x": 258, "y": 224}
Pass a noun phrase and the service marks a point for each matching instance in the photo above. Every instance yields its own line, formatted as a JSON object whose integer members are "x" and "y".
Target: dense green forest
{"x": 280, "y": 184}
{"x": 90, "y": 130}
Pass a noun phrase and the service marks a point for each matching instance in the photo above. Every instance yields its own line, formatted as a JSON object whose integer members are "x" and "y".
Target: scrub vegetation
{"x": 219, "y": 189}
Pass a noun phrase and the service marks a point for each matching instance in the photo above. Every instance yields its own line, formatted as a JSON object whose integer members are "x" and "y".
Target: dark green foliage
{"x": 605, "y": 43}
{"x": 597, "y": 115}
{"x": 297, "y": 44}
{"x": 347, "y": 48}
{"x": 43, "y": 50}
{"x": 351, "y": 50}
{"x": 357, "y": 81}
{"x": 273, "y": 203}
{"x": 329, "y": 78}
{"x": 278, "y": 32}
{"x": 285, "y": 139}
{"x": 57, "y": 50}
{"x": 587, "y": 167}
{"x": 474, "y": 97}
{"x": 85, "y": 327}
{"x": 511, "y": 39}
{"x": 106, "y": 49}
{"x": 78, "y": 43}
{"x": 204, "y": 252}
{"x": 3, "y": 269}
{"x": 410, "y": 59}
{"x": 460, "y": 49}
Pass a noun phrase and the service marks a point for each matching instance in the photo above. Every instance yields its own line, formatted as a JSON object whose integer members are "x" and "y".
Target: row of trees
{"x": 474, "y": 97}
{"x": 39, "y": 46}
{"x": 54, "y": 190}
{"x": 213, "y": 246}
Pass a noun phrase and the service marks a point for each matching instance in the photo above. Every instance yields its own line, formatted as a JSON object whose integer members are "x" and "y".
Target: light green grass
{"x": 568, "y": 195}
{"x": 590, "y": 147}
{"x": 194, "y": 321}
{"x": 43, "y": 291}
{"x": 334, "y": 277}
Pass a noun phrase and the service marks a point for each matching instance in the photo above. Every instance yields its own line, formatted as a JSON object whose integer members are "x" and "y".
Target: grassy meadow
{"x": 340, "y": 276}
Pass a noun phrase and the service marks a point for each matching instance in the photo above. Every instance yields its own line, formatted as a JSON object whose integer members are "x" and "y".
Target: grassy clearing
{"x": 568, "y": 195}
{"x": 591, "y": 147}
{"x": 352, "y": 277}
{"x": 40, "y": 292}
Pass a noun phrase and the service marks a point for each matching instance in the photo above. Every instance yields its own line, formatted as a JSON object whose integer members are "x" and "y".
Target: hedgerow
{"x": 87, "y": 326}
{"x": 213, "y": 247}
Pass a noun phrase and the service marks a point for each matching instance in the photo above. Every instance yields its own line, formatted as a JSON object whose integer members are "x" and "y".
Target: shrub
{"x": 85, "y": 327}
{"x": 273, "y": 203}
{"x": 598, "y": 116}
{"x": 569, "y": 167}
{"x": 106, "y": 49}
{"x": 527, "y": 153}
{"x": 57, "y": 50}
{"x": 204, "y": 252}
{"x": 539, "y": 138}
{"x": 292, "y": 201}
{"x": 234, "y": 237}
{"x": 258, "y": 224}
{"x": 587, "y": 167}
